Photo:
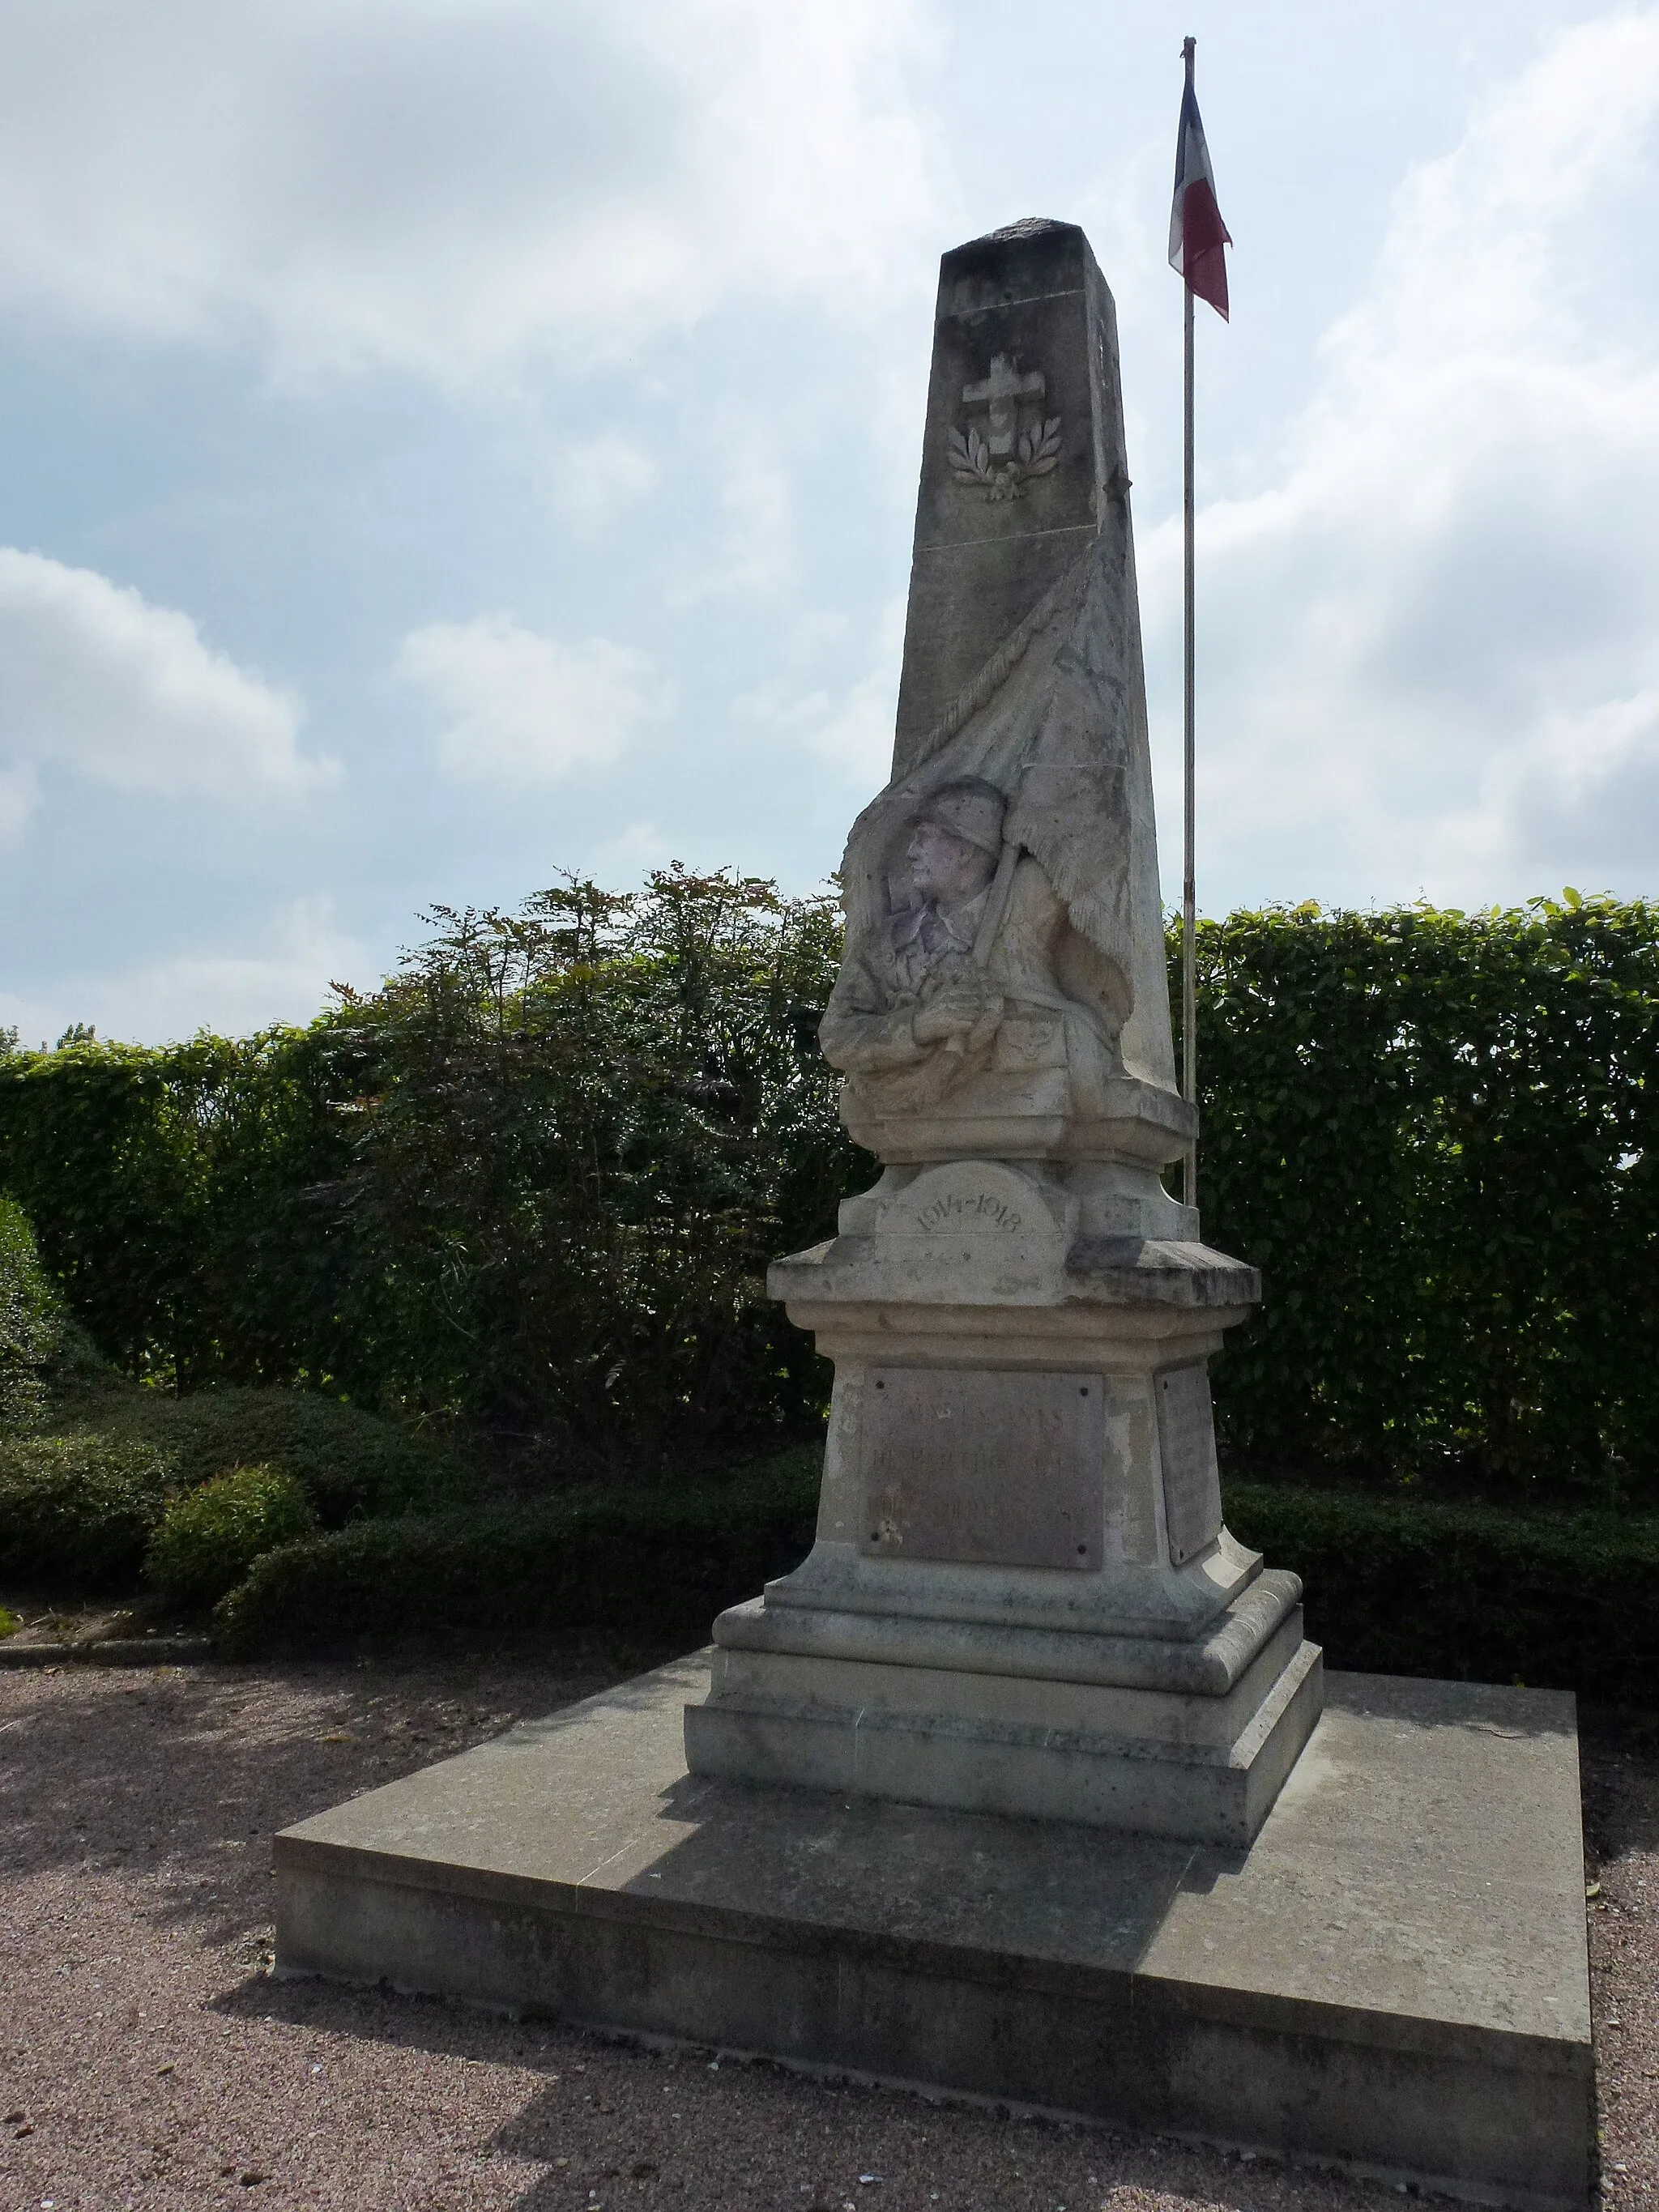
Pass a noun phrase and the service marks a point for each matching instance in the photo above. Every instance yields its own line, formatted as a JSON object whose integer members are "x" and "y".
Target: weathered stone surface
{"x": 985, "y": 1466}
{"x": 937, "y": 1636}
{"x": 1020, "y": 1461}
{"x": 1393, "y": 1975}
{"x": 1186, "y": 1451}
{"x": 1020, "y": 1444}
{"x": 1019, "y": 1313}
{"x": 1205, "y": 1768}
{"x": 1003, "y": 991}
{"x": 1027, "y": 307}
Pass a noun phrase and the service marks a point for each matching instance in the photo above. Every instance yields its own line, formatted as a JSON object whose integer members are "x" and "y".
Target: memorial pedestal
{"x": 1022, "y": 1597}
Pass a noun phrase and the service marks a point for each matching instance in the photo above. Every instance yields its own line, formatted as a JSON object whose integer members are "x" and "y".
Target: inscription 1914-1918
{"x": 955, "y": 1210}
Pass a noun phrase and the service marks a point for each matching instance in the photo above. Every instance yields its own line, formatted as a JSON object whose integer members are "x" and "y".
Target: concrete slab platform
{"x": 1393, "y": 1976}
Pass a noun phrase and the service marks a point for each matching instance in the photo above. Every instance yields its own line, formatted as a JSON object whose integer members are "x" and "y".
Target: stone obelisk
{"x": 1022, "y": 1597}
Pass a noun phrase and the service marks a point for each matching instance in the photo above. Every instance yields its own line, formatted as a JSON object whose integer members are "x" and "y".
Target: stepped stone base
{"x": 931, "y": 1713}
{"x": 1393, "y": 1977}
{"x": 1021, "y": 1597}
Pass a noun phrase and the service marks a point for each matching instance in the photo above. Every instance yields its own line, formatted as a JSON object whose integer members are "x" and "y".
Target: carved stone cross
{"x": 1003, "y": 389}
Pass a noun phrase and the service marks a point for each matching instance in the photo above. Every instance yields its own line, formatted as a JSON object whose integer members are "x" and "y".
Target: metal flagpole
{"x": 1188, "y": 817}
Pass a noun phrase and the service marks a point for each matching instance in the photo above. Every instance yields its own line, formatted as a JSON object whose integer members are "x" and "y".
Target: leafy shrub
{"x": 594, "y": 1123}
{"x": 180, "y": 1197}
{"x": 82, "y": 1500}
{"x": 1468, "y": 1593}
{"x": 348, "y": 1461}
{"x": 663, "y": 1561}
{"x": 534, "y": 1181}
{"x": 1393, "y": 1585}
{"x": 10, "y": 1624}
{"x": 79, "y": 1509}
{"x": 31, "y": 1320}
{"x": 44, "y": 1351}
{"x": 209, "y": 1538}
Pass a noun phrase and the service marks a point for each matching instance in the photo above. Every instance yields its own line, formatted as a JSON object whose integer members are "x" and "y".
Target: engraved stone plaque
{"x": 1186, "y": 1443}
{"x": 985, "y": 1468}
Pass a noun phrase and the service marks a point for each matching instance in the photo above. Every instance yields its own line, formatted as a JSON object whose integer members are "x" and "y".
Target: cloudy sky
{"x": 444, "y": 441}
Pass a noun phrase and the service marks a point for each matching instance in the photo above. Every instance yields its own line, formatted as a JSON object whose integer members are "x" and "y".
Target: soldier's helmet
{"x": 970, "y": 808}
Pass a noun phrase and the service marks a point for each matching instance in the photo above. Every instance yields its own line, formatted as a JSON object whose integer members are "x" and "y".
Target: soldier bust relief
{"x": 972, "y": 996}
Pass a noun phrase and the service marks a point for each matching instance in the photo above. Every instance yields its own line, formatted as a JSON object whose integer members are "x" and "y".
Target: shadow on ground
{"x": 626, "y": 2122}
{"x": 167, "y": 1785}
{"x": 191, "y": 1770}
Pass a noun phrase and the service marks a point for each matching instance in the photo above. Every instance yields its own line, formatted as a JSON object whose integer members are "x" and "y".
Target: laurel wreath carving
{"x": 1036, "y": 453}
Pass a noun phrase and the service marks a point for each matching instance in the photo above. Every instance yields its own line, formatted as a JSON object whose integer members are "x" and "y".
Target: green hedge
{"x": 659, "y": 1562}
{"x": 28, "y": 1319}
{"x": 1437, "y": 1135}
{"x": 182, "y": 1198}
{"x": 42, "y": 1351}
{"x": 83, "y": 1487}
{"x": 1468, "y": 1593}
{"x": 349, "y": 1462}
{"x": 1472, "y": 1593}
{"x": 534, "y": 1182}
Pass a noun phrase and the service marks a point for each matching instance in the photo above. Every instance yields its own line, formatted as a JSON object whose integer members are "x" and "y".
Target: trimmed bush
{"x": 80, "y": 1499}
{"x": 210, "y": 1538}
{"x": 1394, "y": 1586}
{"x": 1468, "y": 1593}
{"x": 1437, "y": 1135}
{"x": 348, "y": 1461}
{"x": 660, "y": 1561}
{"x": 533, "y": 1182}
{"x": 79, "y": 1509}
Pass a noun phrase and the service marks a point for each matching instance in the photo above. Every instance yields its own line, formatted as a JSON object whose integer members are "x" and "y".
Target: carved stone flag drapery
{"x": 1197, "y": 233}
{"x": 1022, "y": 724}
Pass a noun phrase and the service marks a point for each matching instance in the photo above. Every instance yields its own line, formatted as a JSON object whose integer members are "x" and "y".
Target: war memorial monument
{"x": 1026, "y": 1783}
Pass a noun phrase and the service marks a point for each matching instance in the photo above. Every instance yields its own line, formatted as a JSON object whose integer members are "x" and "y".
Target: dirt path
{"x": 147, "y": 2061}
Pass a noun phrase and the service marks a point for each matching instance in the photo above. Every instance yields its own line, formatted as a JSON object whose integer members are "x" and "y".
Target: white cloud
{"x": 96, "y": 682}
{"x": 1430, "y": 653}
{"x": 594, "y": 480}
{"x": 753, "y": 554}
{"x": 857, "y": 735}
{"x": 640, "y": 849}
{"x": 522, "y": 709}
{"x": 296, "y": 953}
{"x": 851, "y": 729}
{"x": 19, "y": 794}
{"x": 448, "y": 186}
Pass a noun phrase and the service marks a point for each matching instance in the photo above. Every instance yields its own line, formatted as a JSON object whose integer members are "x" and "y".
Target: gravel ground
{"x": 1622, "y": 1834}
{"x": 148, "y": 2061}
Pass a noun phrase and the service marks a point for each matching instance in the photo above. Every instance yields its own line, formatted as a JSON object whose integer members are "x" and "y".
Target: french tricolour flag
{"x": 1197, "y": 233}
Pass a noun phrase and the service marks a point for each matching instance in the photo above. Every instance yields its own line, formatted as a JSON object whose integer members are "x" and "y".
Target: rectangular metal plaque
{"x": 1186, "y": 1445}
{"x": 998, "y": 1468}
